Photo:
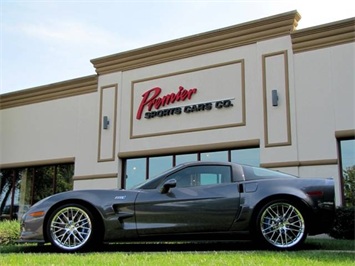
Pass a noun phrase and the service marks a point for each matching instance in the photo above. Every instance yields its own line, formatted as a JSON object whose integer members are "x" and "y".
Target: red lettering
{"x": 151, "y": 99}
{"x": 147, "y": 100}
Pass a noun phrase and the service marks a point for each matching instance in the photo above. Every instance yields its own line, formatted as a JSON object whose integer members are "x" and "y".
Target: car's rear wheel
{"x": 71, "y": 228}
{"x": 281, "y": 224}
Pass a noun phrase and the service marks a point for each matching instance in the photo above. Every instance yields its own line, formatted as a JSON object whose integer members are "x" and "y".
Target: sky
{"x": 49, "y": 41}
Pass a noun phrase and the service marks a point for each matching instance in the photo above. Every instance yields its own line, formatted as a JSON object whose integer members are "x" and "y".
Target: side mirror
{"x": 167, "y": 186}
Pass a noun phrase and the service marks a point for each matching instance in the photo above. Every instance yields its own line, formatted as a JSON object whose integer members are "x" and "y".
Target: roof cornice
{"x": 335, "y": 33}
{"x": 216, "y": 40}
{"x": 49, "y": 92}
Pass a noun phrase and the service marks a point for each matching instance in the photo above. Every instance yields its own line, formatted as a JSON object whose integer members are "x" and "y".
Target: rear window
{"x": 255, "y": 173}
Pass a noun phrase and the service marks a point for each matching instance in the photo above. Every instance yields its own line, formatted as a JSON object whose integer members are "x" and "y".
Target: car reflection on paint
{"x": 193, "y": 201}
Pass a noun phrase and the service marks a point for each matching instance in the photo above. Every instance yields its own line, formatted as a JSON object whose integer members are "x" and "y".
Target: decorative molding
{"x": 49, "y": 92}
{"x": 300, "y": 163}
{"x": 243, "y": 101}
{"x": 287, "y": 100}
{"x": 190, "y": 148}
{"x": 212, "y": 41}
{"x": 322, "y": 36}
{"x": 38, "y": 163}
{"x": 91, "y": 177}
{"x": 113, "y": 127}
{"x": 342, "y": 134}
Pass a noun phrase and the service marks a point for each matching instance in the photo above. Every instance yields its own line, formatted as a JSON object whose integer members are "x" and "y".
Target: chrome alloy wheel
{"x": 282, "y": 225}
{"x": 70, "y": 228}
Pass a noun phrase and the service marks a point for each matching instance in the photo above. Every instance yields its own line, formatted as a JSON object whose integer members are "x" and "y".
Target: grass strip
{"x": 316, "y": 252}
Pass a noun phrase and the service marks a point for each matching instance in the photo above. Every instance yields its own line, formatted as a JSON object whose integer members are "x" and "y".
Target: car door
{"x": 204, "y": 200}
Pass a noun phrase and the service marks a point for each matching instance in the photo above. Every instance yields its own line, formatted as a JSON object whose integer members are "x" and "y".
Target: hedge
{"x": 9, "y": 232}
{"x": 344, "y": 223}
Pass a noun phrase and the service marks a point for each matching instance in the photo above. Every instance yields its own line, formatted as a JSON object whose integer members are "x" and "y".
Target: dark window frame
{"x": 340, "y": 166}
{"x": 229, "y": 156}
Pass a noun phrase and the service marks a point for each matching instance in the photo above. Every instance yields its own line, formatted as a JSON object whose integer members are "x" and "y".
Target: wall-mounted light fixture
{"x": 275, "y": 98}
{"x": 106, "y": 122}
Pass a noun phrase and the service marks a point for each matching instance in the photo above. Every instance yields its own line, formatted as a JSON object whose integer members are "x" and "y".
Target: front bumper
{"x": 31, "y": 230}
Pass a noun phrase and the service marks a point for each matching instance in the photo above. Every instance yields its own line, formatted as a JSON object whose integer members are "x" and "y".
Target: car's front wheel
{"x": 71, "y": 227}
{"x": 281, "y": 224}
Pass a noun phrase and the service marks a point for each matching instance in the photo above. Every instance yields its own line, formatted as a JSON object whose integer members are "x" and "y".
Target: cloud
{"x": 67, "y": 32}
{"x": 48, "y": 41}
{"x": 71, "y": 36}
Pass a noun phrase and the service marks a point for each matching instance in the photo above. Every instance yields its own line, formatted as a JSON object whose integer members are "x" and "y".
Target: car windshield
{"x": 148, "y": 184}
{"x": 254, "y": 173}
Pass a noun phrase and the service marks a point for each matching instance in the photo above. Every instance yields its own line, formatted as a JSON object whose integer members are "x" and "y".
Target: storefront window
{"x": 217, "y": 156}
{"x": 159, "y": 164}
{"x": 21, "y": 188}
{"x": 184, "y": 158}
{"x": 136, "y": 171}
{"x": 139, "y": 169}
{"x": 64, "y": 180}
{"x": 347, "y": 153}
{"x": 246, "y": 156}
{"x": 23, "y": 195}
{"x": 10, "y": 182}
{"x": 43, "y": 182}
{"x": 347, "y": 148}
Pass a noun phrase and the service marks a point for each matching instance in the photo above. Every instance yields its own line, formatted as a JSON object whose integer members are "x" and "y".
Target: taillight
{"x": 315, "y": 193}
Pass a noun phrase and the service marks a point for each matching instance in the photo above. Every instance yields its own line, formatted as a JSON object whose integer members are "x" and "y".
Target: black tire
{"x": 71, "y": 228}
{"x": 281, "y": 225}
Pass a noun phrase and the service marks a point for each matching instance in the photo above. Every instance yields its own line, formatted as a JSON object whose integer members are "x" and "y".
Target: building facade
{"x": 260, "y": 93}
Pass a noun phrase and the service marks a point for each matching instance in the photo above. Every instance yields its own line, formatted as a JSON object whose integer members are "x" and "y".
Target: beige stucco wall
{"x": 325, "y": 98}
{"x": 56, "y": 131}
{"x": 45, "y": 131}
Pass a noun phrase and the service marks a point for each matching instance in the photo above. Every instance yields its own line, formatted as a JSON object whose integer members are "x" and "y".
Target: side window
{"x": 202, "y": 175}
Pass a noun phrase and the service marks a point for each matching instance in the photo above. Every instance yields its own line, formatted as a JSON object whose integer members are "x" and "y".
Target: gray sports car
{"x": 193, "y": 201}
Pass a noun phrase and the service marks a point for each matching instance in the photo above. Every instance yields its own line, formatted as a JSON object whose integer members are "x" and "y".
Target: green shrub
{"x": 344, "y": 223}
{"x": 9, "y": 232}
{"x": 349, "y": 186}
